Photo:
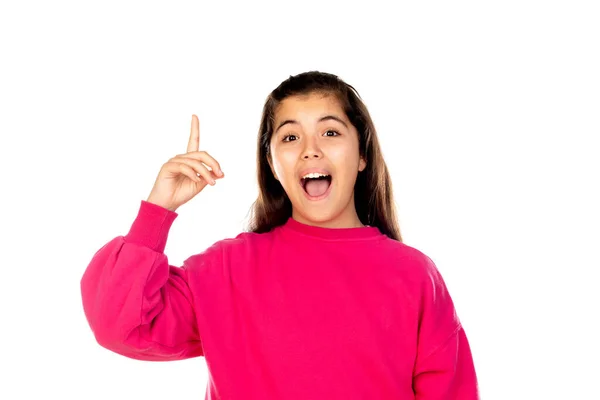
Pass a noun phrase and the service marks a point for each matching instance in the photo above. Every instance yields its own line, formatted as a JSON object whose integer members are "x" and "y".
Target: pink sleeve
{"x": 444, "y": 369}
{"x": 136, "y": 304}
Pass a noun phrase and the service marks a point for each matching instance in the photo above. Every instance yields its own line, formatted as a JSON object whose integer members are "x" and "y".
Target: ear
{"x": 362, "y": 164}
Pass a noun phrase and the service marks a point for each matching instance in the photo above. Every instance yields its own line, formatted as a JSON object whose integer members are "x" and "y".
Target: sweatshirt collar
{"x": 365, "y": 232}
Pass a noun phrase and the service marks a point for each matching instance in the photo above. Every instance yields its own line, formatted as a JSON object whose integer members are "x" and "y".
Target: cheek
{"x": 345, "y": 158}
{"x": 283, "y": 165}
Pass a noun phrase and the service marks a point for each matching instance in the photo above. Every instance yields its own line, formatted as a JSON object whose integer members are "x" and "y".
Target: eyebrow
{"x": 325, "y": 118}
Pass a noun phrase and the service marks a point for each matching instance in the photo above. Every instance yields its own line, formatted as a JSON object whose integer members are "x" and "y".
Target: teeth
{"x": 314, "y": 175}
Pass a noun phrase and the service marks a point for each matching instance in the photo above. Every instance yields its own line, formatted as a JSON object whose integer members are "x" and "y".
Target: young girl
{"x": 320, "y": 299}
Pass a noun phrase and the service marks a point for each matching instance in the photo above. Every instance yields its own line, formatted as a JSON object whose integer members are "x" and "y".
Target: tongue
{"x": 316, "y": 187}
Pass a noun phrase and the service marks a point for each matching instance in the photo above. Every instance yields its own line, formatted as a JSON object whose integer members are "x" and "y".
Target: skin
{"x": 328, "y": 144}
{"x": 185, "y": 175}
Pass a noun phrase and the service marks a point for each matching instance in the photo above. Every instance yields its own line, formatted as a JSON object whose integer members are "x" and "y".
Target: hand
{"x": 185, "y": 175}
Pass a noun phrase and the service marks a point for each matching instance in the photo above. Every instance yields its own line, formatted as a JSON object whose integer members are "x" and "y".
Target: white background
{"x": 488, "y": 113}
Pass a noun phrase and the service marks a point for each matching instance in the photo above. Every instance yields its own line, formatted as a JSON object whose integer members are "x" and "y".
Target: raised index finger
{"x": 194, "y": 142}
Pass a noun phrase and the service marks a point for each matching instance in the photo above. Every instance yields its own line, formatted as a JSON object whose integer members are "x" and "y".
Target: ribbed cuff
{"x": 151, "y": 226}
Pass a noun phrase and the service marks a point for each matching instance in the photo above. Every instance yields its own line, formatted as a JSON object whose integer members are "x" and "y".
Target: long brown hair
{"x": 373, "y": 197}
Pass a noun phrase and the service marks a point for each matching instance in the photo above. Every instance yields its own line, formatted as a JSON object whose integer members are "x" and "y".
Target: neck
{"x": 347, "y": 219}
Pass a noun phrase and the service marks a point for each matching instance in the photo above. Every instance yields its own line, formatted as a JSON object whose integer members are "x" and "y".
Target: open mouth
{"x": 316, "y": 185}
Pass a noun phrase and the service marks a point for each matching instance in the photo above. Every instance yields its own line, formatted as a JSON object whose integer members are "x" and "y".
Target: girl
{"x": 320, "y": 299}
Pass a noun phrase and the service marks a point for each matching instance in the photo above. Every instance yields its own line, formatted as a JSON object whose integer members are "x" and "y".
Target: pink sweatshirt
{"x": 300, "y": 312}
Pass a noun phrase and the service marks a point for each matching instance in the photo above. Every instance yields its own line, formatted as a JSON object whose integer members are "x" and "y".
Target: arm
{"x": 137, "y": 304}
{"x": 444, "y": 368}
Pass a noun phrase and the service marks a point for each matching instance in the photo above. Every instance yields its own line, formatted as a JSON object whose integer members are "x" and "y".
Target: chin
{"x": 317, "y": 215}
{"x": 319, "y": 212}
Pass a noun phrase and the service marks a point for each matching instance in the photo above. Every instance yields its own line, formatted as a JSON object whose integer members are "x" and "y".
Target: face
{"x": 313, "y": 135}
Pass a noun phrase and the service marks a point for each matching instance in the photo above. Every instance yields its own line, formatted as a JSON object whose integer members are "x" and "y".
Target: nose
{"x": 311, "y": 150}
{"x": 308, "y": 155}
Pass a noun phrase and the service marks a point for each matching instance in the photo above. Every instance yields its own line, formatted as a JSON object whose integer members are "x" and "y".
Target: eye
{"x": 331, "y": 131}
{"x": 287, "y": 137}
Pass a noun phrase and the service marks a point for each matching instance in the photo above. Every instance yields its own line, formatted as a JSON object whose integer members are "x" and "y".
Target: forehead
{"x": 309, "y": 106}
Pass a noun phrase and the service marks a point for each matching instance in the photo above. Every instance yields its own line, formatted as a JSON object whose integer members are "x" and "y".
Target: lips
{"x": 306, "y": 171}
{"x": 316, "y": 183}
